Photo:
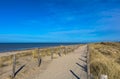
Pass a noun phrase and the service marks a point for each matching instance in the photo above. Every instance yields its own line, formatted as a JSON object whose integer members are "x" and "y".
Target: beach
{"x": 29, "y": 63}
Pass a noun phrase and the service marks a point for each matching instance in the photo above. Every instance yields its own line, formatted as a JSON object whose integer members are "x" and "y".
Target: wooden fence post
{"x": 39, "y": 58}
{"x": 59, "y": 52}
{"x": 88, "y": 62}
{"x": 14, "y": 65}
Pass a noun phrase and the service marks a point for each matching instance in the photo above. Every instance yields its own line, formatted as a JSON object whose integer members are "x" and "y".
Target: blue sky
{"x": 59, "y": 20}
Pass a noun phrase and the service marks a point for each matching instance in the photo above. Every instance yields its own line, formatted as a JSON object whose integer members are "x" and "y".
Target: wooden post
{"x": 14, "y": 65}
{"x": 59, "y": 52}
{"x": 88, "y": 62}
{"x": 39, "y": 58}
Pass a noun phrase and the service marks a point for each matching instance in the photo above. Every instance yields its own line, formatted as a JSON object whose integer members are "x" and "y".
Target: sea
{"x": 8, "y": 47}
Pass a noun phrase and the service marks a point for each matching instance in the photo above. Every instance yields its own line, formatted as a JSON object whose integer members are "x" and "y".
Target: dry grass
{"x": 7, "y": 60}
{"x": 29, "y": 58}
{"x": 105, "y": 59}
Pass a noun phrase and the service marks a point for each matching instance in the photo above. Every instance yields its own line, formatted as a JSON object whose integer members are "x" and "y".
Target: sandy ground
{"x": 71, "y": 66}
{"x": 13, "y": 52}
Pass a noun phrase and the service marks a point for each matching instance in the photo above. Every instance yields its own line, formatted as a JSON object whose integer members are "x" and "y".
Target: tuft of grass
{"x": 5, "y": 60}
{"x": 23, "y": 54}
{"x": 35, "y": 53}
{"x": 118, "y": 60}
{"x": 1, "y": 63}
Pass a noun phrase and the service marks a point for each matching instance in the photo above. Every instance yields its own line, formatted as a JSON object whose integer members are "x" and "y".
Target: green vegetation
{"x": 105, "y": 59}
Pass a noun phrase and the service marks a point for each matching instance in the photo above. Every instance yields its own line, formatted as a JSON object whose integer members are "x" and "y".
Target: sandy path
{"x": 71, "y": 66}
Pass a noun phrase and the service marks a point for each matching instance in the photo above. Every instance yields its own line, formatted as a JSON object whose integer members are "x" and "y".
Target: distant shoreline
{"x": 11, "y": 47}
{"x": 7, "y": 53}
{"x": 22, "y": 50}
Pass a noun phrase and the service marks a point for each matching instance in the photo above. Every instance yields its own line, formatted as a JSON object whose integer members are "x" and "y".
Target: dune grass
{"x": 105, "y": 59}
{"x": 7, "y": 60}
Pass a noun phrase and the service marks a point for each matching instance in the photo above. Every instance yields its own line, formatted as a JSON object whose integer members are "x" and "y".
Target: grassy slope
{"x": 105, "y": 59}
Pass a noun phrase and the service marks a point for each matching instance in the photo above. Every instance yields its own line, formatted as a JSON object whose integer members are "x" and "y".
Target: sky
{"x": 59, "y": 20}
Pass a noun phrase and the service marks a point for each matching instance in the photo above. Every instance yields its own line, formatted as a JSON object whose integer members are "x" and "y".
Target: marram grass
{"x": 7, "y": 60}
{"x": 104, "y": 59}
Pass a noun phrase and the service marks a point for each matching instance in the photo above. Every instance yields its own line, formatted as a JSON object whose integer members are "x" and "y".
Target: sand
{"x": 70, "y": 66}
{"x": 13, "y": 52}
